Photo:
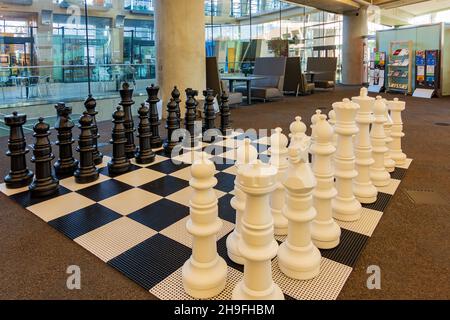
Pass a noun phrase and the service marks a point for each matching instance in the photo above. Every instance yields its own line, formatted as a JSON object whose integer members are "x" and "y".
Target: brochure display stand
{"x": 377, "y": 71}
{"x": 400, "y": 66}
{"x": 427, "y": 73}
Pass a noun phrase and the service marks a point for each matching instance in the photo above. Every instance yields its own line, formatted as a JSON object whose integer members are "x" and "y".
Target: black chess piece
{"x": 172, "y": 125}
{"x": 225, "y": 114}
{"x": 176, "y": 97}
{"x": 90, "y": 104}
{"x": 126, "y": 95}
{"x": 144, "y": 153}
{"x": 191, "y": 116}
{"x": 87, "y": 172}
{"x": 44, "y": 182}
{"x": 19, "y": 176}
{"x": 119, "y": 162}
{"x": 66, "y": 164}
{"x": 152, "y": 100}
{"x": 209, "y": 115}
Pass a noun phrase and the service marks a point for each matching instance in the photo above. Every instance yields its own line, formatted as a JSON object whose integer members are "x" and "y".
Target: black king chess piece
{"x": 90, "y": 104}
{"x": 126, "y": 95}
{"x": 66, "y": 164}
{"x": 44, "y": 182}
{"x": 144, "y": 153}
{"x": 153, "y": 100}
{"x": 87, "y": 172}
{"x": 225, "y": 114}
{"x": 119, "y": 162}
{"x": 19, "y": 176}
{"x": 172, "y": 124}
{"x": 176, "y": 97}
{"x": 191, "y": 116}
{"x": 209, "y": 115}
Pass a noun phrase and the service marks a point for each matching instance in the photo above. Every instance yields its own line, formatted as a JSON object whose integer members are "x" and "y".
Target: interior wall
{"x": 446, "y": 62}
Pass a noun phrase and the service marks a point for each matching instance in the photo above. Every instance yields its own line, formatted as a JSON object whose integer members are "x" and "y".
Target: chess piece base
{"x": 62, "y": 169}
{"x": 18, "y": 180}
{"x": 325, "y": 234}
{"x": 98, "y": 158}
{"x": 389, "y": 164}
{"x": 380, "y": 179}
{"x": 118, "y": 168}
{"x": 130, "y": 154}
{"x": 232, "y": 248}
{"x": 83, "y": 178}
{"x": 301, "y": 263}
{"x": 241, "y": 292}
{"x": 44, "y": 188}
{"x": 399, "y": 158}
{"x": 145, "y": 158}
{"x": 346, "y": 210}
{"x": 365, "y": 193}
{"x": 155, "y": 144}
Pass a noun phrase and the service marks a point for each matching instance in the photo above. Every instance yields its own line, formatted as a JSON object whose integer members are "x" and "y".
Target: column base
{"x": 325, "y": 234}
{"x": 301, "y": 263}
{"x": 241, "y": 292}
{"x": 232, "y": 248}
{"x": 346, "y": 210}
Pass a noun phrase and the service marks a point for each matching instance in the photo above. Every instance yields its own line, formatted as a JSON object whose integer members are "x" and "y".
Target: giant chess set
{"x": 224, "y": 214}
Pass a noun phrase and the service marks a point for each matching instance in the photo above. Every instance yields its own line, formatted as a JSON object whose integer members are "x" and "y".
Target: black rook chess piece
{"x": 126, "y": 95}
{"x": 44, "y": 182}
{"x": 153, "y": 99}
{"x": 66, "y": 164}
{"x": 176, "y": 97}
{"x": 144, "y": 153}
{"x": 19, "y": 176}
{"x": 191, "y": 115}
{"x": 172, "y": 125}
{"x": 209, "y": 114}
{"x": 90, "y": 104}
{"x": 87, "y": 171}
{"x": 119, "y": 162}
{"x": 225, "y": 125}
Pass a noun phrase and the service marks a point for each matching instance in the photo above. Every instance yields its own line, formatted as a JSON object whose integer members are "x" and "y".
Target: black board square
{"x": 226, "y": 211}
{"x": 167, "y": 166}
{"x": 165, "y": 186}
{"x": 106, "y": 172}
{"x": 25, "y": 199}
{"x": 104, "y": 190}
{"x": 225, "y": 181}
{"x": 398, "y": 173}
{"x": 381, "y": 203}
{"x": 222, "y": 163}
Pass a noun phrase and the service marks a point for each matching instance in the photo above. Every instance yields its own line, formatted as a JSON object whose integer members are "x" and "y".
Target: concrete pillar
{"x": 43, "y": 47}
{"x": 354, "y": 30}
{"x": 180, "y": 45}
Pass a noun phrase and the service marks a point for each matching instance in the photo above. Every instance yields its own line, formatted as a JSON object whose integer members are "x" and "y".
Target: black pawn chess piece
{"x": 86, "y": 172}
{"x": 90, "y": 104}
{"x": 176, "y": 97}
{"x": 191, "y": 116}
{"x": 225, "y": 114}
{"x": 172, "y": 125}
{"x": 144, "y": 153}
{"x": 19, "y": 176}
{"x": 153, "y": 100}
{"x": 126, "y": 95}
{"x": 119, "y": 162}
{"x": 66, "y": 164}
{"x": 209, "y": 115}
{"x": 44, "y": 182}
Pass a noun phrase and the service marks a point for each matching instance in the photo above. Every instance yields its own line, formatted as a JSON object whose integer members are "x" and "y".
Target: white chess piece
{"x": 298, "y": 133}
{"x": 314, "y": 119}
{"x": 345, "y": 206}
{"x": 204, "y": 274}
{"x": 332, "y": 122}
{"x": 246, "y": 154}
{"x": 389, "y": 163}
{"x": 378, "y": 173}
{"x": 298, "y": 257}
{"x": 278, "y": 158}
{"x": 363, "y": 187}
{"x": 325, "y": 232}
{"x": 396, "y": 107}
{"x": 257, "y": 246}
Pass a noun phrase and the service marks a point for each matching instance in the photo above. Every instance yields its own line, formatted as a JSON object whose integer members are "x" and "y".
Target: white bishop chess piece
{"x": 314, "y": 119}
{"x": 325, "y": 232}
{"x": 396, "y": 107}
{"x": 389, "y": 163}
{"x": 204, "y": 274}
{"x": 246, "y": 154}
{"x": 298, "y": 134}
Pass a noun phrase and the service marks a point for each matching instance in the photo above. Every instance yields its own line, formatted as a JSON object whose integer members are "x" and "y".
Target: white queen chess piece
{"x": 396, "y": 107}
{"x": 204, "y": 274}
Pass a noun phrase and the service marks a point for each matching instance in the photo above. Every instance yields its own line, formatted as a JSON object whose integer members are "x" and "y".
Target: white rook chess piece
{"x": 332, "y": 122}
{"x": 298, "y": 257}
{"x": 257, "y": 246}
{"x": 246, "y": 154}
{"x": 378, "y": 173}
{"x": 278, "y": 158}
{"x": 298, "y": 133}
{"x": 396, "y": 107}
{"x": 389, "y": 164}
{"x": 363, "y": 187}
{"x": 325, "y": 232}
{"x": 345, "y": 206}
{"x": 204, "y": 274}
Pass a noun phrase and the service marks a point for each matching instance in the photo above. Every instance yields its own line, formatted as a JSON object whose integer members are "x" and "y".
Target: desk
{"x": 247, "y": 79}
{"x": 312, "y": 74}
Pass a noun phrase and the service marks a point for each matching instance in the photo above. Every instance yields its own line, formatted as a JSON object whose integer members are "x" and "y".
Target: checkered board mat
{"x": 135, "y": 222}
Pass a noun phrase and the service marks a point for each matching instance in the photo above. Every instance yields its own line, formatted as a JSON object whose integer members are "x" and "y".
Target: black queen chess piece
{"x": 225, "y": 126}
{"x": 44, "y": 182}
{"x": 126, "y": 95}
{"x": 66, "y": 163}
{"x": 152, "y": 101}
{"x": 91, "y": 104}
{"x": 119, "y": 162}
{"x": 209, "y": 115}
{"x": 144, "y": 154}
{"x": 86, "y": 172}
{"x": 19, "y": 176}
{"x": 191, "y": 116}
{"x": 176, "y": 97}
{"x": 172, "y": 124}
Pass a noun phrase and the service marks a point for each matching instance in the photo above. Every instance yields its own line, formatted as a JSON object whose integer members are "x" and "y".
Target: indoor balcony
{"x": 99, "y": 5}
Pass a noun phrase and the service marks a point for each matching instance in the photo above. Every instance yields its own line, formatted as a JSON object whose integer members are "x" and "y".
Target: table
{"x": 312, "y": 74}
{"x": 247, "y": 79}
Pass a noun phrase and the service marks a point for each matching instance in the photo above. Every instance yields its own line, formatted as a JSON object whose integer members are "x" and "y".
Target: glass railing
{"x": 96, "y": 4}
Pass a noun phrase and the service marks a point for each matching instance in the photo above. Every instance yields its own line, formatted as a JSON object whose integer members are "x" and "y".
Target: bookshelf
{"x": 400, "y": 63}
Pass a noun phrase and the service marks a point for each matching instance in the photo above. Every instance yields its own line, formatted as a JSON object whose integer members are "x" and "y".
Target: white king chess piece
{"x": 204, "y": 274}
{"x": 246, "y": 154}
{"x": 325, "y": 232}
{"x": 396, "y": 107}
{"x": 389, "y": 163}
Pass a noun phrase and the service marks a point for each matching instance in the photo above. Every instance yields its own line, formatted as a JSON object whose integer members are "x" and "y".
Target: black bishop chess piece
{"x": 126, "y": 95}
{"x": 176, "y": 97}
{"x": 119, "y": 162}
{"x": 91, "y": 104}
{"x": 19, "y": 176}
{"x": 172, "y": 124}
{"x": 191, "y": 116}
{"x": 209, "y": 115}
{"x": 144, "y": 153}
{"x": 225, "y": 125}
{"x": 66, "y": 163}
{"x": 152, "y": 101}
{"x": 86, "y": 172}
{"x": 44, "y": 182}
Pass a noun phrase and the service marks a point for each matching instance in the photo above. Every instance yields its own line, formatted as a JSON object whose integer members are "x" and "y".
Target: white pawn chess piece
{"x": 257, "y": 245}
{"x": 388, "y": 162}
{"x": 204, "y": 274}
{"x": 298, "y": 257}
{"x": 246, "y": 154}
{"x": 278, "y": 158}
{"x": 363, "y": 187}
{"x": 345, "y": 206}
{"x": 332, "y": 122}
{"x": 378, "y": 173}
{"x": 396, "y": 107}
{"x": 325, "y": 232}
{"x": 298, "y": 133}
